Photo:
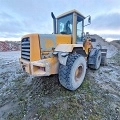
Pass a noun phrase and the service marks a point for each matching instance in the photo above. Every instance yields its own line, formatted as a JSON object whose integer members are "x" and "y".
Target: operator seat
{"x": 68, "y": 30}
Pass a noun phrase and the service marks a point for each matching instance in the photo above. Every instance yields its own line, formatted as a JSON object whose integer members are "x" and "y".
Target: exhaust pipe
{"x": 54, "y": 22}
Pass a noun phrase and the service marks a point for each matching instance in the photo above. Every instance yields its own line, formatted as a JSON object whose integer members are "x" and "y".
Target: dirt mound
{"x": 116, "y": 43}
{"x": 111, "y": 49}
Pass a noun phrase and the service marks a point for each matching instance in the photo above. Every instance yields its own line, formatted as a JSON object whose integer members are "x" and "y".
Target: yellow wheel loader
{"x": 67, "y": 52}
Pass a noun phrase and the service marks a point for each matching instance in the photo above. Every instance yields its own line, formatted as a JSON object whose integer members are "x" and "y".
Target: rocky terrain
{"x": 9, "y": 46}
{"x": 24, "y": 97}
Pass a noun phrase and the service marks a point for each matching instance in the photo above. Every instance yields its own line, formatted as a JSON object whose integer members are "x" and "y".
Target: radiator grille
{"x": 25, "y": 48}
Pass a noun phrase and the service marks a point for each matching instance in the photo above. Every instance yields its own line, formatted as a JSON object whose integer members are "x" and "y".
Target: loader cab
{"x": 71, "y": 23}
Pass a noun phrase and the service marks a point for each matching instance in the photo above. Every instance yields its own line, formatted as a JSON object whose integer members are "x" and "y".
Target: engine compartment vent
{"x": 25, "y": 48}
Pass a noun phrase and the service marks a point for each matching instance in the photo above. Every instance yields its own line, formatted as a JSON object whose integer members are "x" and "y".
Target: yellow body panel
{"x": 48, "y": 43}
{"x": 63, "y": 39}
{"x": 34, "y": 47}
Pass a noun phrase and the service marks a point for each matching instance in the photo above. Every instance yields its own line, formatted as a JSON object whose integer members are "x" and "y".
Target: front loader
{"x": 67, "y": 52}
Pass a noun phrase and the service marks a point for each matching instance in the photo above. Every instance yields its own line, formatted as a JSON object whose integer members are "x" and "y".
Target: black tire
{"x": 103, "y": 61}
{"x": 97, "y": 63}
{"x": 72, "y": 75}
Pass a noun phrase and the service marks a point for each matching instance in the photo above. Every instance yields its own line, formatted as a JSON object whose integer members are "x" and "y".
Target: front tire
{"x": 72, "y": 75}
{"x": 97, "y": 59}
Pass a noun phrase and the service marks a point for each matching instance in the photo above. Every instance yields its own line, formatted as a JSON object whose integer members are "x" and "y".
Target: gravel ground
{"x": 24, "y": 97}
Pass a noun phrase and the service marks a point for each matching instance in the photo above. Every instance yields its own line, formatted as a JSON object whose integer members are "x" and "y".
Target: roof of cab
{"x": 69, "y": 12}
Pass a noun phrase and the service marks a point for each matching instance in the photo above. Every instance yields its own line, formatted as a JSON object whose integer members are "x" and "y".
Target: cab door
{"x": 80, "y": 27}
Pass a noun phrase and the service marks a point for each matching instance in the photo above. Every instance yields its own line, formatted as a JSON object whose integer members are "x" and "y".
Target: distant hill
{"x": 116, "y": 43}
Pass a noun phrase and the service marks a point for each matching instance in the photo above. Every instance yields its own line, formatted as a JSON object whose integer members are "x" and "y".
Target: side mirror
{"x": 89, "y": 19}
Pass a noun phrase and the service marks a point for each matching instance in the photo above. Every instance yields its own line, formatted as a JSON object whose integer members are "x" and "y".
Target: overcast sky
{"x": 19, "y": 17}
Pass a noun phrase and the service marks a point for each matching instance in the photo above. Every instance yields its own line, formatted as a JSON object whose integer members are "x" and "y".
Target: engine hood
{"x": 48, "y": 43}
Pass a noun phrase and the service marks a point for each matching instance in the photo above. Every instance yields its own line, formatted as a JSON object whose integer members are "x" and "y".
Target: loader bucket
{"x": 103, "y": 56}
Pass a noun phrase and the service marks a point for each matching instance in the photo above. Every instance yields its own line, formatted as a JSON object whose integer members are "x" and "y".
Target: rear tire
{"x": 72, "y": 75}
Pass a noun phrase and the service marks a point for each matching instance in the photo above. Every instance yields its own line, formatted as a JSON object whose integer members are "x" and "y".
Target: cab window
{"x": 65, "y": 24}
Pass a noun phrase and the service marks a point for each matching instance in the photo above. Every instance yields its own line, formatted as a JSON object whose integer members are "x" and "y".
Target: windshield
{"x": 64, "y": 24}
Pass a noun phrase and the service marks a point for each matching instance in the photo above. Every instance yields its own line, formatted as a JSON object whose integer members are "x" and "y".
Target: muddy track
{"x": 27, "y": 97}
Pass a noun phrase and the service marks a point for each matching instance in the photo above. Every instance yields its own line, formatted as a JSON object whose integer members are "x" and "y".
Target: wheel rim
{"x": 78, "y": 73}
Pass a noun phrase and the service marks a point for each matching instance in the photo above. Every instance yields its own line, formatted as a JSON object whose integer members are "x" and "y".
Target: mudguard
{"x": 94, "y": 51}
{"x": 67, "y": 47}
{"x": 91, "y": 57}
{"x": 62, "y": 50}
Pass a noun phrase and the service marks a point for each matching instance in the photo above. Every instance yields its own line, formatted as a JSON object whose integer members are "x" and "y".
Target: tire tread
{"x": 64, "y": 71}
